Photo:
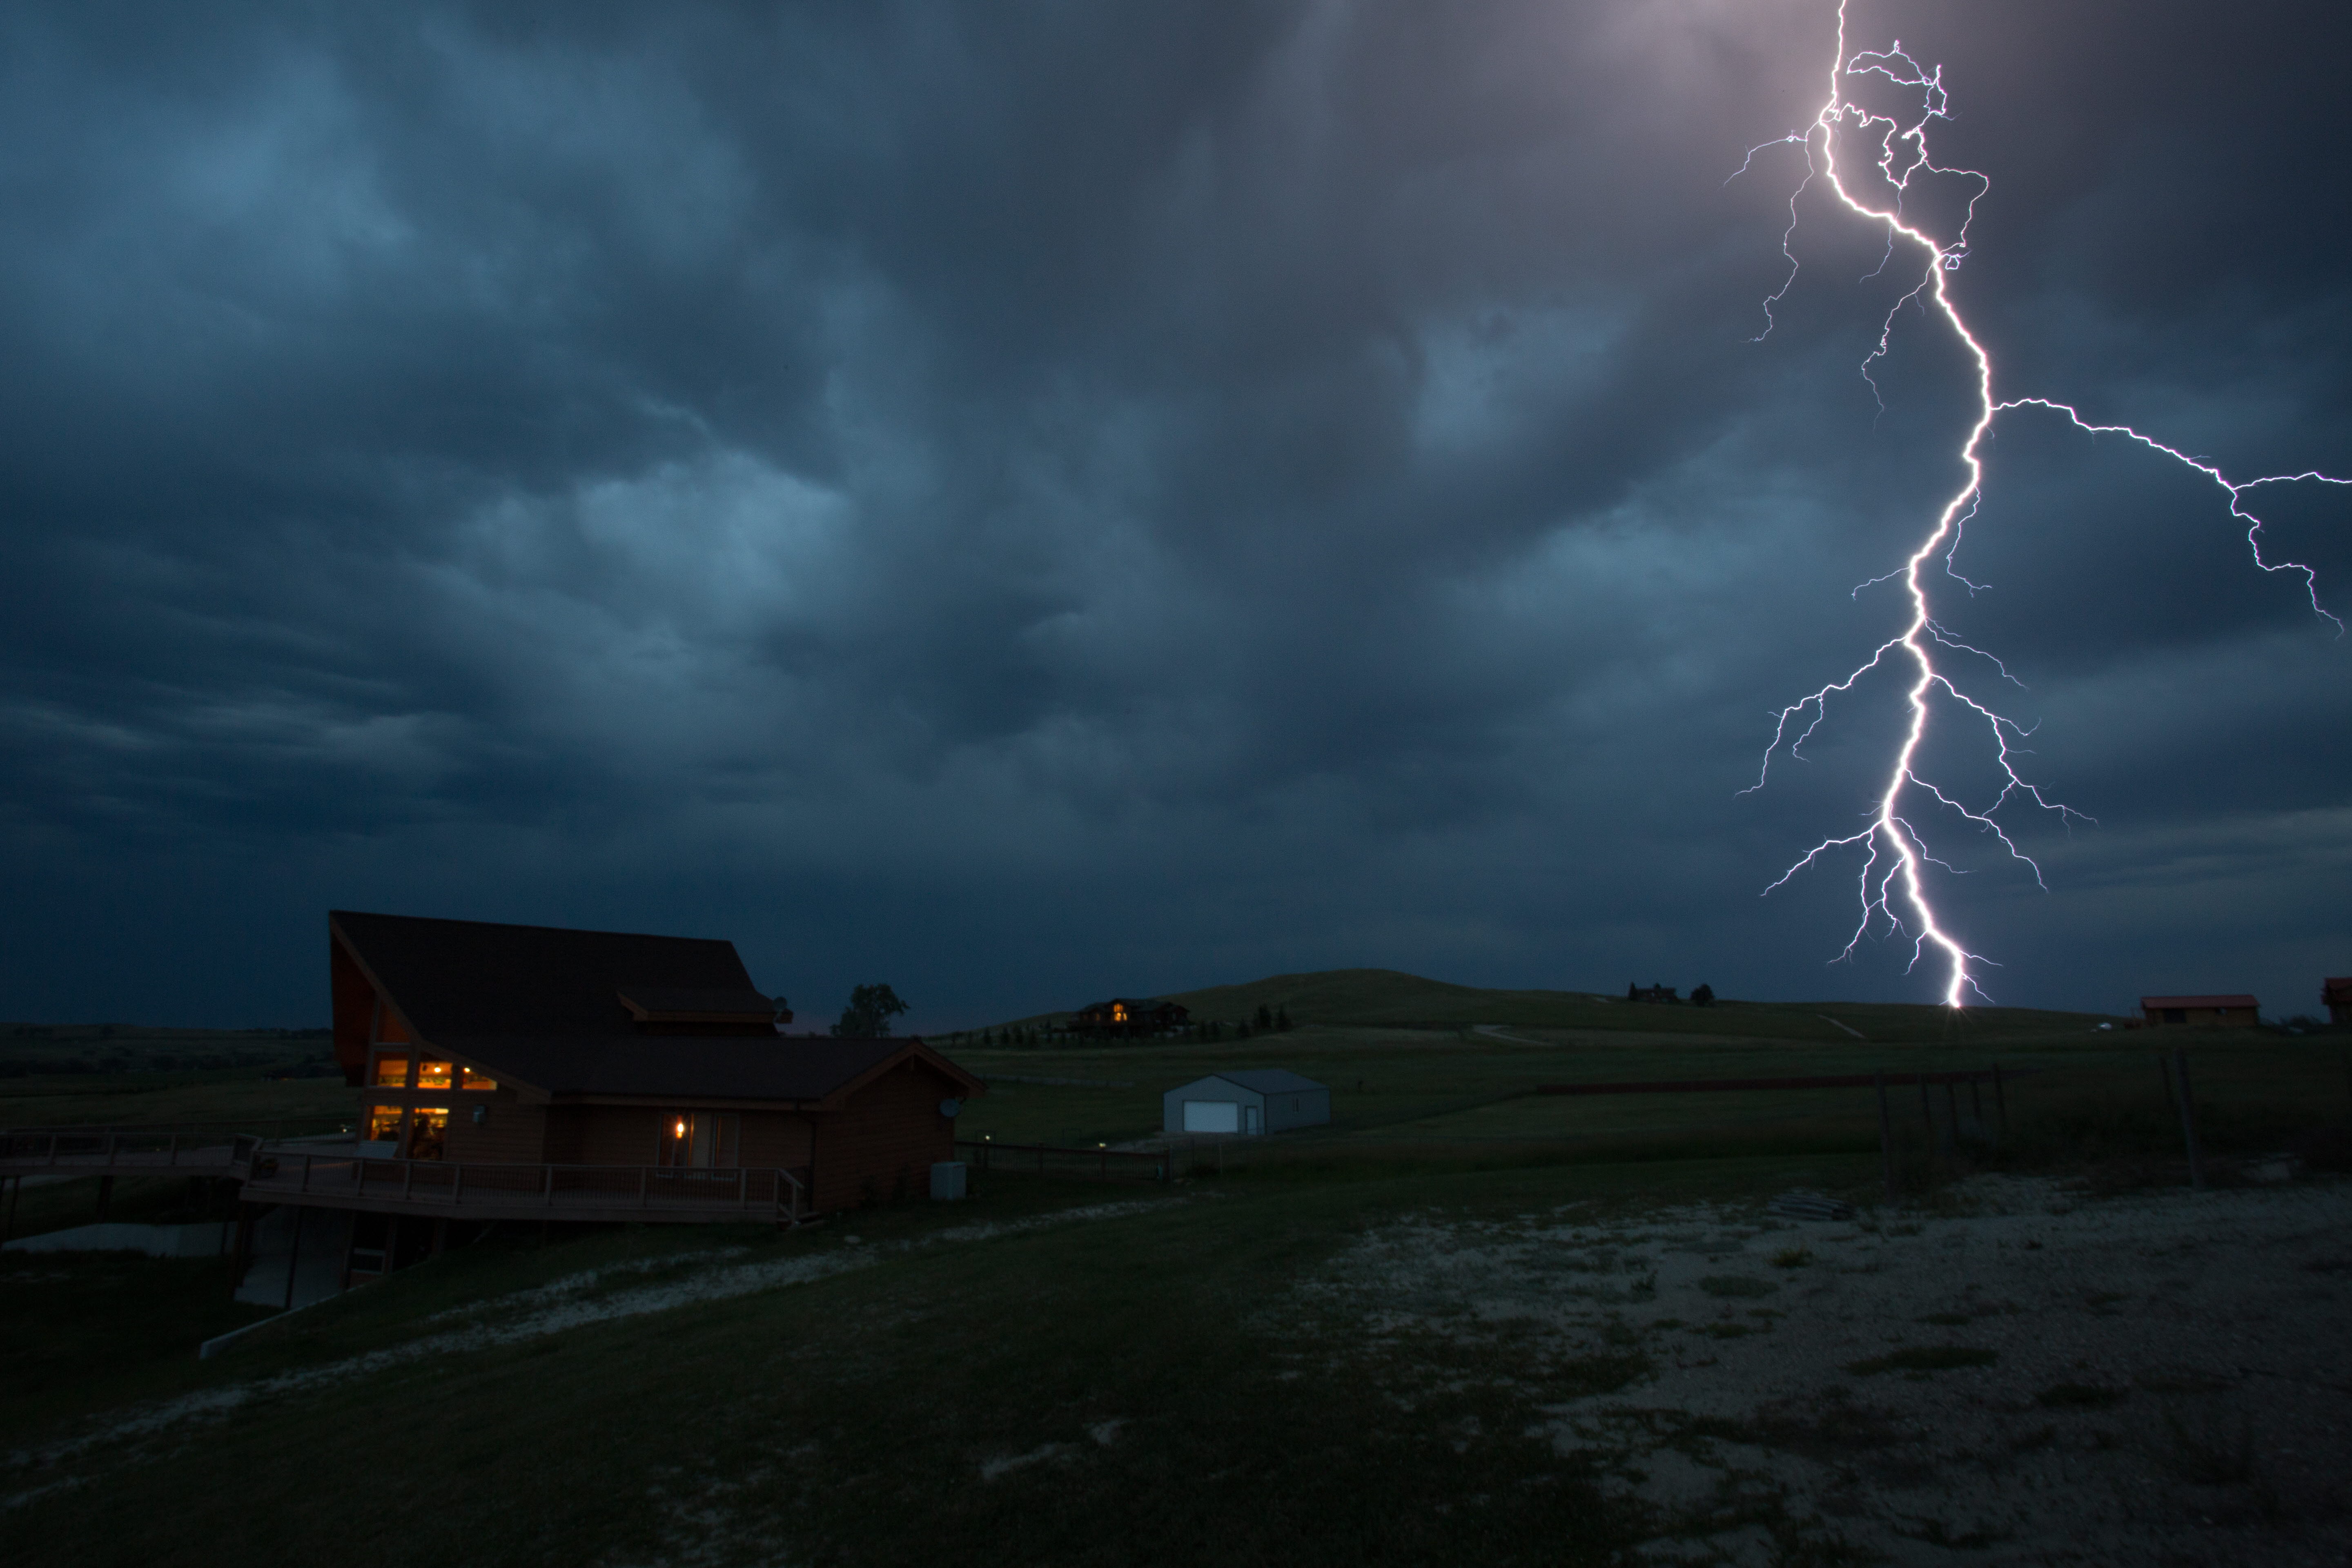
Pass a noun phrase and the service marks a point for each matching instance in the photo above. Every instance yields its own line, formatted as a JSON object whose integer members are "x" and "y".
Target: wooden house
{"x": 2232, "y": 1011}
{"x": 500, "y": 1050}
{"x": 1130, "y": 1016}
{"x": 2335, "y": 995}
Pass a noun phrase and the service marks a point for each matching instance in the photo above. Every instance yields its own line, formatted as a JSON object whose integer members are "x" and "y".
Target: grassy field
{"x": 1370, "y": 998}
{"x": 1461, "y": 1095}
{"x": 1139, "y": 1387}
{"x": 1056, "y": 1371}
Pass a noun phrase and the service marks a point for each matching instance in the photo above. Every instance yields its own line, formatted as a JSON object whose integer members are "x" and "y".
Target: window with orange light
{"x": 698, "y": 1137}
{"x": 433, "y": 1075}
{"x": 428, "y": 1127}
{"x": 473, "y": 1080}
{"x": 383, "y": 1123}
{"x": 390, "y": 1072}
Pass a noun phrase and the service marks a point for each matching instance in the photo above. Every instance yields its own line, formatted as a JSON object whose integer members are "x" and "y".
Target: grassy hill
{"x": 1390, "y": 998}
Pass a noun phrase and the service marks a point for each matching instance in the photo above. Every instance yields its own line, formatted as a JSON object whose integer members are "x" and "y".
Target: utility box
{"x": 949, "y": 1178}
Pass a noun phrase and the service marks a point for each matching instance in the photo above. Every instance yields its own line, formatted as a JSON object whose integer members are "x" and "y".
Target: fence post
{"x": 1885, "y": 1139}
{"x": 457, "y": 1185}
{"x": 2188, "y": 1118}
{"x": 645, "y": 1186}
{"x": 547, "y": 1186}
{"x": 294, "y": 1255}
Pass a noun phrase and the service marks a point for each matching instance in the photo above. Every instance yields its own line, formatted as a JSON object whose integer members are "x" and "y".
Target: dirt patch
{"x": 2041, "y": 1378}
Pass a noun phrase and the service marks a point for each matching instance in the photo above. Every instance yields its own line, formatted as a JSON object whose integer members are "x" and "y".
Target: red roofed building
{"x": 646, "y": 1064}
{"x": 2336, "y": 992}
{"x": 2238, "y": 1012}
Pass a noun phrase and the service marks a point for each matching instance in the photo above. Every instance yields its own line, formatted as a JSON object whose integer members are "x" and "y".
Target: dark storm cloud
{"x": 1020, "y": 500}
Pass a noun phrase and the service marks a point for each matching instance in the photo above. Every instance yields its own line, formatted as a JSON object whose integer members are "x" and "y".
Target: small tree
{"x": 1633, "y": 991}
{"x": 868, "y": 1015}
{"x": 1265, "y": 1017}
{"x": 1703, "y": 996}
{"x": 1281, "y": 1020}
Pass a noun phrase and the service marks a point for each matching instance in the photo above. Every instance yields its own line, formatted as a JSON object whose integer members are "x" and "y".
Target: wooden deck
{"x": 330, "y": 1172}
{"x": 312, "y": 1178}
{"x": 193, "y": 1151}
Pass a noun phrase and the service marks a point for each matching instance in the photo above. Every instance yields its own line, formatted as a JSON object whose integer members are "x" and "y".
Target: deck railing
{"x": 760, "y": 1192}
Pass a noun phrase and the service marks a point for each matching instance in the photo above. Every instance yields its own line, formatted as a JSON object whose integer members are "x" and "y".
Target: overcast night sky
{"x": 1029, "y": 501}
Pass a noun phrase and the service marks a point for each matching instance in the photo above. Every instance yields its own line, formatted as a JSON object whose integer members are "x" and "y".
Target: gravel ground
{"x": 2039, "y": 1377}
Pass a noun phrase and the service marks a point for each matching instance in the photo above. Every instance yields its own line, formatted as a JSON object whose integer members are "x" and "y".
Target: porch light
{"x": 682, "y": 1129}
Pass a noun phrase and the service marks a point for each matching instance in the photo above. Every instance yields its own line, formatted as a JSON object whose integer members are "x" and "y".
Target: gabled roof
{"x": 1263, "y": 1081}
{"x": 699, "y": 1067}
{"x": 679, "y": 1004}
{"x": 2198, "y": 1002}
{"x": 476, "y": 978}
{"x": 550, "y": 1008}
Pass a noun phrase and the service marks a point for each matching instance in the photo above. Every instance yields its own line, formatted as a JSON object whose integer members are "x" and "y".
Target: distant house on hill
{"x": 2231, "y": 1012}
{"x": 1654, "y": 994}
{"x": 1130, "y": 1016}
{"x": 2335, "y": 994}
{"x": 509, "y": 1048}
{"x": 1268, "y": 1099}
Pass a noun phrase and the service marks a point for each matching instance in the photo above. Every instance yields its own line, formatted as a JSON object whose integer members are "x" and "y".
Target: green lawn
{"x": 1139, "y": 1389}
{"x": 999, "y": 1381}
{"x": 1362, "y": 997}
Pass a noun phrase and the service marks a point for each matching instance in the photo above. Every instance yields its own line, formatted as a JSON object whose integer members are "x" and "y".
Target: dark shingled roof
{"x": 713, "y": 1067}
{"x": 680, "y": 1001}
{"x": 2238, "y": 1001}
{"x": 471, "y": 977}
{"x": 541, "y": 1005}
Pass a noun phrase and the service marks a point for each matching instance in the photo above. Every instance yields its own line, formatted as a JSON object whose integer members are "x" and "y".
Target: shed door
{"x": 1257, "y": 1119}
{"x": 1213, "y": 1116}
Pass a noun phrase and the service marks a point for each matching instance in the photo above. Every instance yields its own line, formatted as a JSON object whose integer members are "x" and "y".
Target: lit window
{"x": 392, "y": 1072}
{"x": 433, "y": 1075}
{"x": 427, "y": 1130}
{"x": 698, "y": 1137}
{"x": 478, "y": 1081}
{"x": 383, "y": 1123}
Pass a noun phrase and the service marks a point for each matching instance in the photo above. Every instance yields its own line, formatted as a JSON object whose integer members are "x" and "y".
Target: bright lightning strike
{"x": 1895, "y": 856}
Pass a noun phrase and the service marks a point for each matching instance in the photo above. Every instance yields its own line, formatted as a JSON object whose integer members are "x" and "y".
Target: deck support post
{"x": 2188, "y": 1118}
{"x": 244, "y": 1246}
{"x": 294, "y": 1256}
{"x": 1886, "y": 1140}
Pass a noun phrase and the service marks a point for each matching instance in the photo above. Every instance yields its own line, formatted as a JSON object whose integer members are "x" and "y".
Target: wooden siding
{"x": 602, "y": 1134}
{"x": 881, "y": 1145}
{"x": 514, "y": 1134}
{"x": 776, "y": 1139}
{"x": 353, "y": 1010}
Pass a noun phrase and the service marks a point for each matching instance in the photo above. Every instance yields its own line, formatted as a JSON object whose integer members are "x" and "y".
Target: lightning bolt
{"x": 1891, "y": 884}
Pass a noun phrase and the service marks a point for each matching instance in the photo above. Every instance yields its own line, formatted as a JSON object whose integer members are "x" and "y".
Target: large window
{"x": 706, "y": 1139}
{"x": 427, "y": 1130}
{"x": 390, "y": 1071}
{"x": 383, "y": 1123}
{"x": 473, "y": 1080}
{"x": 433, "y": 1075}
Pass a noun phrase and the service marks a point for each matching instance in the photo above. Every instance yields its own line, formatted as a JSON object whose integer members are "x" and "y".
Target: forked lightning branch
{"x": 1894, "y": 888}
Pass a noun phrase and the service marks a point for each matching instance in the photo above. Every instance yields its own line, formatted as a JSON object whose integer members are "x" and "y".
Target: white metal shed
{"x": 1263, "y": 1100}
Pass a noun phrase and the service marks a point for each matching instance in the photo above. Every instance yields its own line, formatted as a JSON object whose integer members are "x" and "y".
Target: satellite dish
{"x": 947, "y": 1108}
